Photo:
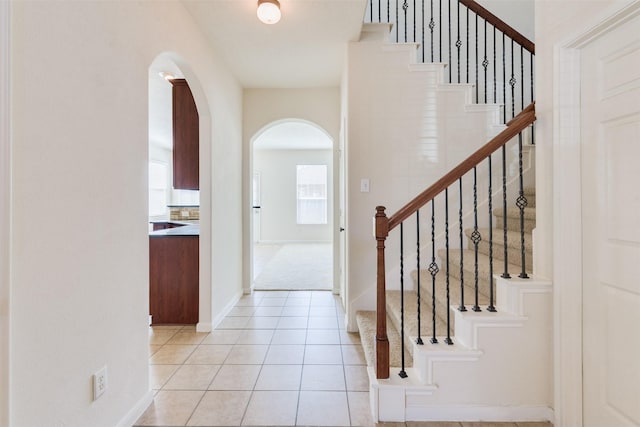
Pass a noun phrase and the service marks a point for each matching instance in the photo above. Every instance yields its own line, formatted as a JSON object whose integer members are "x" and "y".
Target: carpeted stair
{"x": 366, "y": 319}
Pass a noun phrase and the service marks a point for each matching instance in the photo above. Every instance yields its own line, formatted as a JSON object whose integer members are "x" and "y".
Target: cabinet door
{"x": 186, "y": 130}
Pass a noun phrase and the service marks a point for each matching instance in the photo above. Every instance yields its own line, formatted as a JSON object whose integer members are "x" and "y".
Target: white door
{"x": 256, "y": 207}
{"x": 610, "y": 103}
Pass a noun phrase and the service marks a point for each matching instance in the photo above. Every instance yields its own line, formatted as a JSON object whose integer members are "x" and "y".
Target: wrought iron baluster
{"x": 461, "y": 307}
{"x": 521, "y": 203}
{"x": 388, "y": 10}
{"x": 432, "y": 25}
{"x": 475, "y": 237}
{"x": 491, "y": 307}
{"x": 512, "y": 82}
{"x": 402, "y": 372}
{"x": 440, "y": 31}
{"x": 495, "y": 67}
{"x": 405, "y": 6}
{"x": 446, "y": 244}
{"x": 458, "y": 41}
{"x": 467, "y": 61}
{"x": 414, "y": 19}
{"x": 505, "y": 274}
{"x": 422, "y": 30}
{"x": 521, "y": 78}
{"x": 476, "y": 61}
{"x": 419, "y": 339}
{"x": 485, "y": 61}
{"x": 449, "y": 39}
{"x": 533, "y": 139}
{"x": 504, "y": 79}
{"x": 397, "y": 22}
{"x": 433, "y": 269}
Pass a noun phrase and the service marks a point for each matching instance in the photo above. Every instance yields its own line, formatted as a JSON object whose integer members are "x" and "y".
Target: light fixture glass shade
{"x": 269, "y": 11}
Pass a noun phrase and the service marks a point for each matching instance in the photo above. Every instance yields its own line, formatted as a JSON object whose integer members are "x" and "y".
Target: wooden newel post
{"x": 382, "y": 341}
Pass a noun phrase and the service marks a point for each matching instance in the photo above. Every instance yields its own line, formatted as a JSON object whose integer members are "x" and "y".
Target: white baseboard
{"x": 286, "y": 242}
{"x": 480, "y": 413}
{"x": 220, "y": 317}
{"x": 137, "y": 410}
{"x": 203, "y": 327}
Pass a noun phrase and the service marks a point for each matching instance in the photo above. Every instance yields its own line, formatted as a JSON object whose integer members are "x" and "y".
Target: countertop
{"x": 186, "y": 230}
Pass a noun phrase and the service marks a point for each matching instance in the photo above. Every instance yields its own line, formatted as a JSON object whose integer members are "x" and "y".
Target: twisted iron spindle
{"x": 485, "y": 61}
{"x": 505, "y": 274}
{"x": 419, "y": 339}
{"x": 512, "y": 82}
{"x": 432, "y": 25}
{"x": 402, "y": 372}
{"x": 414, "y": 19}
{"x": 397, "y": 21}
{"x": 475, "y": 237}
{"x": 458, "y": 41}
{"x": 476, "y": 61}
{"x": 422, "y": 30}
{"x": 461, "y": 307}
{"x": 504, "y": 79}
{"x": 433, "y": 269}
{"x": 440, "y": 31}
{"x": 449, "y": 39}
{"x": 521, "y": 78}
{"x": 405, "y": 6}
{"x": 446, "y": 244}
{"x": 533, "y": 140}
{"x": 495, "y": 82}
{"x": 521, "y": 203}
{"x": 491, "y": 307}
{"x": 467, "y": 62}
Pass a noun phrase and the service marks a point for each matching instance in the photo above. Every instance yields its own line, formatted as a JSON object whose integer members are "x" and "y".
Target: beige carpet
{"x": 295, "y": 266}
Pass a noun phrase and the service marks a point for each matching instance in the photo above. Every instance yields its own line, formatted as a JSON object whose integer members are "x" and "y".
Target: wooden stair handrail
{"x": 514, "y": 127}
{"x": 507, "y": 29}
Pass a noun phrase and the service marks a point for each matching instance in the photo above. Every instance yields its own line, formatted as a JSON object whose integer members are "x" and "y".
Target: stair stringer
{"x": 497, "y": 370}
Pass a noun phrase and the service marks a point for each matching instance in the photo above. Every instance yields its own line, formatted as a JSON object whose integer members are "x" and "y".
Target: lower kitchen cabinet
{"x": 173, "y": 279}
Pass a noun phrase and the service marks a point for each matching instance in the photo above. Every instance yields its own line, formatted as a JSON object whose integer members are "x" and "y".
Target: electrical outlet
{"x": 99, "y": 383}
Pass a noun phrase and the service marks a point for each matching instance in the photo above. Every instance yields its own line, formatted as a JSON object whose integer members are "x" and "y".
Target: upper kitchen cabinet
{"x": 185, "y": 137}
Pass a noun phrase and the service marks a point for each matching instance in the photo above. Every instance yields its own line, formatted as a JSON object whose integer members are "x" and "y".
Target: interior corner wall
{"x": 278, "y": 195}
{"x": 5, "y": 211}
{"x": 264, "y": 106}
{"x": 79, "y": 235}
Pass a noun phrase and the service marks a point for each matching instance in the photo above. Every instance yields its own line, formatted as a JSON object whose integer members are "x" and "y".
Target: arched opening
{"x": 168, "y": 205}
{"x": 292, "y": 194}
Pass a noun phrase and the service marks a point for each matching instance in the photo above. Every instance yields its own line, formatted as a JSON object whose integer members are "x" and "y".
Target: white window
{"x": 312, "y": 194}
{"x": 157, "y": 188}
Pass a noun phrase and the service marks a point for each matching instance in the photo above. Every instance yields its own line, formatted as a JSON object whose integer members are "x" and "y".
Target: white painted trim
{"x": 5, "y": 213}
{"x": 220, "y": 317}
{"x": 137, "y": 411}
{"x": 567, "y": 213}
{"x": 480, "y": 413}
{"x": 203, "y": 327}
{"x": 291, "y": 242}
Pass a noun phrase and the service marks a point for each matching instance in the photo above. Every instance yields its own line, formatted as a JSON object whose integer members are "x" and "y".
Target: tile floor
{"x": 280, "y": 358}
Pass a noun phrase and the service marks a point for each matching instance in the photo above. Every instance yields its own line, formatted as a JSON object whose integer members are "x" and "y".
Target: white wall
{"x": 79, "y": 264}
{"x": 278, "y": 211}
{"x": 262, "y": 107}
{"x": 5, "y": 213}
{"x": 517, "y": 13}
{"x": 405, "y": 132}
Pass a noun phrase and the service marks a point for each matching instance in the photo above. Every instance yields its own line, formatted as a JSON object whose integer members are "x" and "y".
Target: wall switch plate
{"x": 99, "y": 383}
{"x": 364, "y": 185}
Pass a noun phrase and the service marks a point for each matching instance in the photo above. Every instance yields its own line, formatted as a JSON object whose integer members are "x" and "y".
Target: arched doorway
{"x": 292, "y": 221}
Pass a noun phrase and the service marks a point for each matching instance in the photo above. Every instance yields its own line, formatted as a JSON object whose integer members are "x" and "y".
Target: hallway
{"x": 279, "y": 358}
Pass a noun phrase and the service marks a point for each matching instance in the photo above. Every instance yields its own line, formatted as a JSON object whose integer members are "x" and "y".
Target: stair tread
{"x": 454, "y": 290}
{"x": 529, "y": 213}
{"x": 411, "y": 309}
{"x": 469, "y": 264}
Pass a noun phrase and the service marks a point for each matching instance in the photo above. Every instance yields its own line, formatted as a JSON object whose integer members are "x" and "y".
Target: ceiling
{"x": 305, "y": 49}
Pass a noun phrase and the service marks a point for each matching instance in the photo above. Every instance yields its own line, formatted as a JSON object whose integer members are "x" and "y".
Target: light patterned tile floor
{"x": 280, "y": 358}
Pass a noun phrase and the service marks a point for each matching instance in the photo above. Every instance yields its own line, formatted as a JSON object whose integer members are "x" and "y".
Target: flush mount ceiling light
{"x": 269, "y": 11}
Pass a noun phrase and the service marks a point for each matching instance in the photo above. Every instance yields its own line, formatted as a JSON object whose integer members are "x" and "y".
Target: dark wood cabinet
{"x": 174, "y": 279}
{"x": 186, "y": 131}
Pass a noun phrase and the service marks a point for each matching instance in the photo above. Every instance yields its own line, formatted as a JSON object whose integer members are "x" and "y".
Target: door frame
{"x": 567, "y": 212}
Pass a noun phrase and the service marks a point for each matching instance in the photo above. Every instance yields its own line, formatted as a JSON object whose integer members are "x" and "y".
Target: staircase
{"x": 469, "y": 335}
{"x": 367, "y": 319}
